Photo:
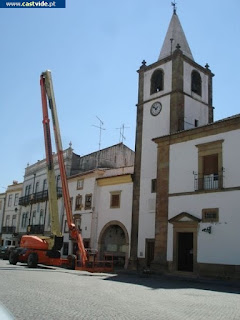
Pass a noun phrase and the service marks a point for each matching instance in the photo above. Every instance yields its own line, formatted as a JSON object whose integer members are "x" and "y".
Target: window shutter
{"x": 210, "y": 164}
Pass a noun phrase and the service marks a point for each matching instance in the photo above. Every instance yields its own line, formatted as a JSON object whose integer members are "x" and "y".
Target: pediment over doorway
{"x": 184, "y": 217}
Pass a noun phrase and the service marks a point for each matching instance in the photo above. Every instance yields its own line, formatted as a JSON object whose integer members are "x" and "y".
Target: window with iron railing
{"x": 210, "y": 166}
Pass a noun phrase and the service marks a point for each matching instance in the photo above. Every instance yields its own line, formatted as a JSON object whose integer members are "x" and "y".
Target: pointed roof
{"x": 176, "y": 33}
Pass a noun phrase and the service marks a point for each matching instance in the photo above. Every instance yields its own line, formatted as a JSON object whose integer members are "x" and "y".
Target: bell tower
{"x": 174, "y": 94}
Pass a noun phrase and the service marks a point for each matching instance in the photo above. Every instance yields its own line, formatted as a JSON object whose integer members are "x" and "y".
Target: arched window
{"x": 157, "y": 81}
{"x": 196, "y": 83}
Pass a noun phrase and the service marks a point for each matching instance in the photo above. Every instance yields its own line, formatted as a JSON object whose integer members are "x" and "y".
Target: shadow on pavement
{"x": 174, "y": 282}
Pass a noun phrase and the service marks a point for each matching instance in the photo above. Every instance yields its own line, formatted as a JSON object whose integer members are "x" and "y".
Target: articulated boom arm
{"x": 52, "y": 190}
{"x": 47, "y": 91}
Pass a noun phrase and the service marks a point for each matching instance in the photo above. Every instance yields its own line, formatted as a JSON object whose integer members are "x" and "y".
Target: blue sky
{"x": 93, "y": 49}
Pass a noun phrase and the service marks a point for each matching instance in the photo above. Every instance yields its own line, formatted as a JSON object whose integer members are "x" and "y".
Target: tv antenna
{"x": 100, "y": 127}
{"x": 122, "y": 129}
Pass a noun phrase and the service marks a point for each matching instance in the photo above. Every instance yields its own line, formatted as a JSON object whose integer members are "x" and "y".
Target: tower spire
{"x": 175, "y": 35}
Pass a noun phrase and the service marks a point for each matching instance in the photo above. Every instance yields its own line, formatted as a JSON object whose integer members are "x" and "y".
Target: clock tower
{"x": 174, "y": 94}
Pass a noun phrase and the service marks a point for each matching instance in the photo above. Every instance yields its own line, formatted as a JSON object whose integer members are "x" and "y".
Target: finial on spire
{"x": 174, "y": 7}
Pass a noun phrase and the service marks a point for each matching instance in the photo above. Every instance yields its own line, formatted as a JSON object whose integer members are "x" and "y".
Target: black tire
{"x": 13, "y": 257}
{"x": 71, "y": 261}
{"x": 32, "y": 260}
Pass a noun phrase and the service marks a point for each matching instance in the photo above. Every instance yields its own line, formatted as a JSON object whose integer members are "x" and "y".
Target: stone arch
{"x": 103, "y": 246}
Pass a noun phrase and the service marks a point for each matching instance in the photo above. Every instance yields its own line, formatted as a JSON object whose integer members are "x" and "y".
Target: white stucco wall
{"x": 106, "y": 214}
{"x": 184, "y": 161}
{"x": 199, "y": 112}
{"x": 222, "y": 245}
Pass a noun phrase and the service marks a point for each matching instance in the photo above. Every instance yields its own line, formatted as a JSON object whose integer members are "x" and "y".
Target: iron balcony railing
{"x": 9, "y": 230}
{"x": 37, "y": 197}
{"x": 208, "y": 182}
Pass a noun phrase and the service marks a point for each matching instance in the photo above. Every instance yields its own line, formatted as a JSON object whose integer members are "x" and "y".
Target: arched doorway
{"x": 114, "y": 241}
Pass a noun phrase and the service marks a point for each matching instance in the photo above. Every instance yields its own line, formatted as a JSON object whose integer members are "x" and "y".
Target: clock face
{"x": 156, "y": 108}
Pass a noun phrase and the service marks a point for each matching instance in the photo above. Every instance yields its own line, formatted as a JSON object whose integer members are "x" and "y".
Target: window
{"x": 210, "y": 215}
{"x": 210, "y": 171}
{"x": 7, "y": 223}
{"x": 24, "y": 219}
{"x": 14, "y": 219}
{"x": 71, "y": 202}
{"x": 44, "y": 184}
{"x": 78, "y": 204}
{"x": 10, "y": 198}
{"x": 88, "y": 201}
{"x": 153, "y": 185}
{"x": 80, "y": 184}
{"x": 34, "y": 217}
{"x": 157, "y": 81}
{"x": 27, "y": 190}
{"x": 37, "y": 187}
{"x": 115, "y": 199}
{"x": 41, "y": 218}
{"x": 16, "y": 199}
{"x": 196, "y": 123}
{"x": 196, "y": 86}
{"x": 210, "y": 166}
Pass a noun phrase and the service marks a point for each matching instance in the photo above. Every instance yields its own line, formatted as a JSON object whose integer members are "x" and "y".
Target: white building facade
{"x": 198, "y": 199}
{"x": 101, "y": 205}
{"x": 186, "y": 183}
{"x": 10, "y": 214}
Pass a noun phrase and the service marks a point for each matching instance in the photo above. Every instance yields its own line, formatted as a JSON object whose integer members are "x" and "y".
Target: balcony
{"x": 8, "y": 230}
{"x": 37, "y": 197}
{"x": 208, "y": 182}
{"x": 36, "y": 229}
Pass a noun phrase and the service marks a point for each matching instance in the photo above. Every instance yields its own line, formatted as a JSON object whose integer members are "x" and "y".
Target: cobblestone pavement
{"x": 55, "y": 293}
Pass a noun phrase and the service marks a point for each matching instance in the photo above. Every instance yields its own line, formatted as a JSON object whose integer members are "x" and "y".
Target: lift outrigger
{"x": 41, "y": 249}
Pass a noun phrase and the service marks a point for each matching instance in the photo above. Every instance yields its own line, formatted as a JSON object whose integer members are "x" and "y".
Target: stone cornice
{"x": 221, "y": 126}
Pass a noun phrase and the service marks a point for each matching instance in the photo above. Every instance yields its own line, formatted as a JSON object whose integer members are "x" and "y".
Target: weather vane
{"x": 174, "y": 6}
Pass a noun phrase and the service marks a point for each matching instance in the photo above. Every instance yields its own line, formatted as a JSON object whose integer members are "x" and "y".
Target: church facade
{"x": 186, "y": 183}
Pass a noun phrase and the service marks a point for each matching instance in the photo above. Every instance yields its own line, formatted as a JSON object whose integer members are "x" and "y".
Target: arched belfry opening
{"x": 157, "y": 81}
{"x": 114, "y": 241}
{"x": 196, "y": 84}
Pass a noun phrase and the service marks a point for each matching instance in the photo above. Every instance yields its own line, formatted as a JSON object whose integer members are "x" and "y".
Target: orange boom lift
{"x": 46, "y": 249}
